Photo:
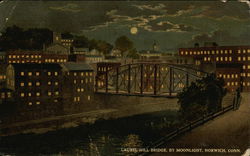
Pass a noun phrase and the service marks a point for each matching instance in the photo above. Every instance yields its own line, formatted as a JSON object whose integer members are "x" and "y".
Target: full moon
{"x": 133, "y": 30}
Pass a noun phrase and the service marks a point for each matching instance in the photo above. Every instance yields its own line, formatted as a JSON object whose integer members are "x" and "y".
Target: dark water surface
{"x": 105, "y": 138}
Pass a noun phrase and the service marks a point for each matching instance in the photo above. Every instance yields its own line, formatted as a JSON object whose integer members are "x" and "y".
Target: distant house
{"x": 116, "y": 53}
{"x": 94, "y": 56}
{"x": 57, "y": 48}
{"x": 80, "y": 50}
{"x": 150, "y": 54}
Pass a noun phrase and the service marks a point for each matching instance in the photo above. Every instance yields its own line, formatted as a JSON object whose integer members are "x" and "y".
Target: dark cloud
{"x": 221, "y": 37}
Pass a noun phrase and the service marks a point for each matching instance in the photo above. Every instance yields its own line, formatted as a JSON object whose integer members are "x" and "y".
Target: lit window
{"x": 230, "y": 51}
{"x": 221, "y": 51}
{"x": 212, "y": 51}
{"x": 220, "y": 75}
{"x": 230, "y": 58}
{"x": 228, "y": 83}
{"x": 37, "y": 73}
{"x": 10, "y": 56}
{"x": 248, "y": 66}
{"x": 208, "y": 52}
{"x": 205, "y": 52}
{"x": 217, "y": 58}
{"x": 194, "y": 52}
{"x": 248, "y": 74}
{"x": 38, "y": 102}
{"x": 74, "y": 81}
{"x": 221, "y": 58}
{"x": 232, "y": 83}
{"x": 88, "y": 97}
{"x": 90, "y": 74}
{"x": 49, "y": 93}
{"x": 205, "y": 58}
{"x": 56, "y": 83}
{"x": 27, "y": 56}
{"x": 29, "y": 73}
{"x": 228, "y": 76}
{"x": 38, "y": 83}
{"x": 248, "y": 50}
{"x": 9, "y": 94}
{"x": 49, "y": 73}
{"x": 49, "y": 82}
{"x": 236, "y": 75}
{"x": 225, "y": 51}
{"x": 201, "y": 52}
{"x": 82, "y": 89}
{"x": 243, "y": 58}
{"x": 244, "y": 84}
{"x": 75, "y": 73}
{"x": 217, "y": 51}
{"x": 29, "y": 83}
{"x": 78, "y": 89}
{"x": 232, "y": 76}
{"x": 56, "y": 73}
{"x": 22, "y": 84}
{"x": 244, "y": 51}
{"x": 56, "y": 93}
{"x": 225, "y": 58}
{"x": 22, "y": 94}
{"x": 30, "y": 103}
{"x": 22, "y": 73}
{"x": 29, "y": 94}
{"x": 87, "y": 73}
{"x": 248, "y": 58}
{"x": 82, "y": 74}
{"x": 244, "y": 67}
{"x": 186, "y": 53}
{"x": 248, "y": 84}
{"x": 38, "y": 94}
{"x": 236, "y": 83}
{"x": 191, "y": 53}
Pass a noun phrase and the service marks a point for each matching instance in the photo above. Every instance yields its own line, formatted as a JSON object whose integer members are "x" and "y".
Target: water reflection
{"x": 104, "y": 138}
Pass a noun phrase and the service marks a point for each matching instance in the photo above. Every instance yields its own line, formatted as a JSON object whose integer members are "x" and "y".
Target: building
{"x": 222, "y": 57}
{"x": 150, "y": 54}
{"x": 35, "y": 85}
{"x": 62, "y": 39}
{"x": 57, "y": 49}
{"x": 3, "y": 67}
{"x": 20, "y": 56}
{"x": 80, "y": 50}
{"x": 78, "y": 87}
{"x": 2, "y": 57}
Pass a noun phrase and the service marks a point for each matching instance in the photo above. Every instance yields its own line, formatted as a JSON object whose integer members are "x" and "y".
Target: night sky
{"x": 170, "y": 24}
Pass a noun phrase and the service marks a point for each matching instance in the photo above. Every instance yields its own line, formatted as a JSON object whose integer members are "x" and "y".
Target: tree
{"x": 133, "y": 54}
{"x": 124, "y": 44}
{"x": 80, "y": 41}
{"x": 202, "y": 96}
{"x": 17, "y": 38}
{"x": 104, "y": 47}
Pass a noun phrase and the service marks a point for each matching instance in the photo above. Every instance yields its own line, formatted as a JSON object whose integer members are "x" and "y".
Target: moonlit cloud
{"x": 70, "y": 7}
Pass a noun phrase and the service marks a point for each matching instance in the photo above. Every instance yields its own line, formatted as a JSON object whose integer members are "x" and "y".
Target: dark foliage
{"x": 32, "y": 39}
{"x": 201, "y": 97}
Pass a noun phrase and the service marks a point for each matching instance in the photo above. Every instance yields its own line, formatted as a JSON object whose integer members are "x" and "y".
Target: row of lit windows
{"x": 31, "y": 103}
{"x": 38, "y": 94}
{"x": 82, "y": 81}
{"x": 30, "y": 94}
{"x": 246, "y": 66}
{"x": 5, "y": 95}
{"x": 80, "y": 89}
{"x": 104, "y": 68}
{"x": 223, "y": 58}
{"x": 67, "y": 44}
{"x": 244, "y": 58}
{"x": 246, "y": 83}
{"x": 25, "y": 61}
{"x": 228, "y": 76}
{"x": 83, "y": 74}
{"x": 63, "y": 40}
{"x": 22, "y": 84}
{"x": 30, "y": 73}
{"x": 55, "y": 60}
{"x": 50, "y": 73}
{"x": 207, "y": 59}
{"x": 77, "y": 99}
{"x": 245, "y": 74}
{"x": 2, "y": 77}
{"x": 24, "y": 56}
{"x": 232, "y": 83}
{"x": 206, "y": 52}
{"x": 243, "y": 51}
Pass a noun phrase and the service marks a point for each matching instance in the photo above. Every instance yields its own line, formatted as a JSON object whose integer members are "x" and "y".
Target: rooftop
{"x": 72, "y": 66}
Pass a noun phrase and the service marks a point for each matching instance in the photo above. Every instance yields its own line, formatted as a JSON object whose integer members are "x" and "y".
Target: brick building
{"x": 231, "y": 61}
{"x": 19, "y": 56}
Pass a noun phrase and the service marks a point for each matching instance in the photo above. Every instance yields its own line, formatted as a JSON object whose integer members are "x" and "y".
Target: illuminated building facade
{"x": 35, "y": 85}
{"x": 35, "y": 57}
{"x": 223, "y": 57}
{"x": 78, "y": 86}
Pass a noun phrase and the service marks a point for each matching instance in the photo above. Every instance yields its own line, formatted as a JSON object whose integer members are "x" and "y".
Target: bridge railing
{"x": 191, "y": 125}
